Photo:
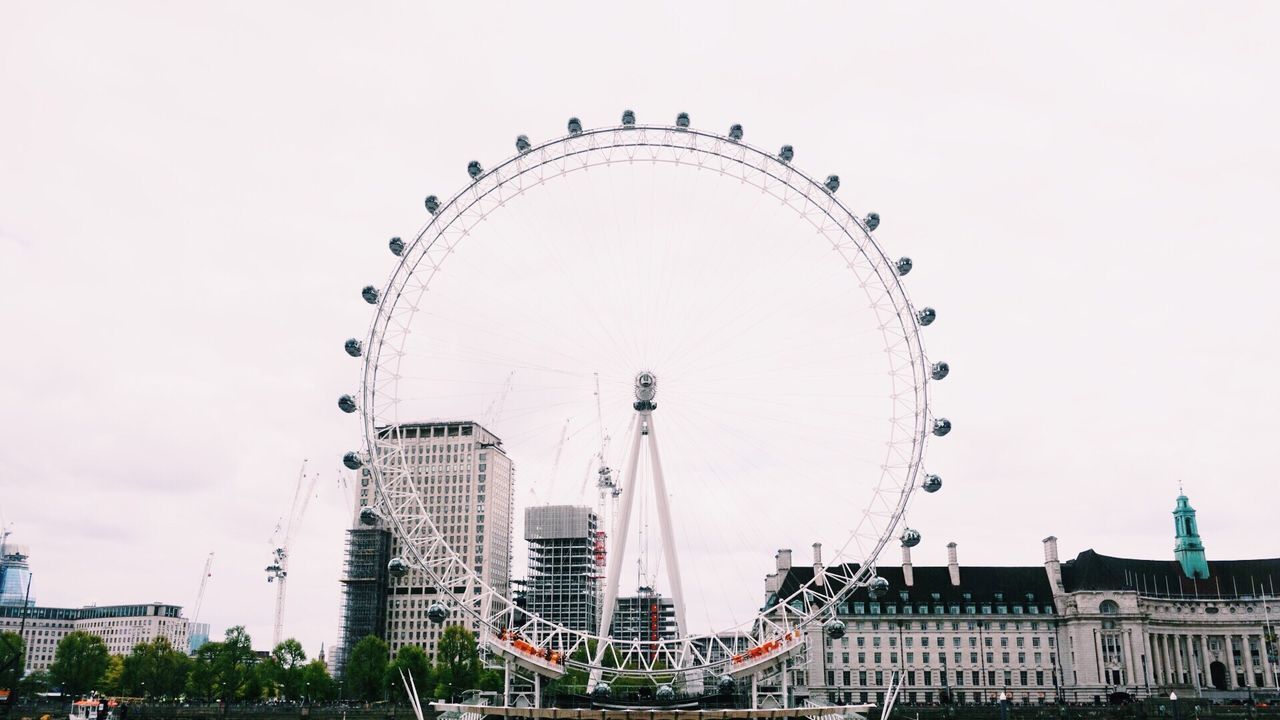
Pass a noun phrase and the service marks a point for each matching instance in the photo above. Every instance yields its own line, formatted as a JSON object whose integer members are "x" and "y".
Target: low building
{"x": 1075, "y": 631}
{"x": 121, "y": 627}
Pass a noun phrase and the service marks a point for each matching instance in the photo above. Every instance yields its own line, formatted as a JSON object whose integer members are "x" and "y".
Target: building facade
{"x": 563, "y": 584}
{"x": 121, "y": 627}
{"x": 1074, "y": 631}
{"x": 466, "y": 482}
{"x": 645, "y": 616}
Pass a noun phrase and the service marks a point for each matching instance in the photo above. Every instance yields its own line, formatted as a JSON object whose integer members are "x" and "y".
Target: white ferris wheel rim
{"x": 402, "y": 506}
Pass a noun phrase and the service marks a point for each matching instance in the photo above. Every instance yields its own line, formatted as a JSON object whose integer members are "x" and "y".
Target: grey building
{"x": 645, "y": 616}
{"x": 563, "y": 585}
{"x": 364, "y": 589}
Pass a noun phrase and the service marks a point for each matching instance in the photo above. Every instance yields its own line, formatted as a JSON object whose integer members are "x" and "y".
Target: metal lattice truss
{"x": 397, "y": 492}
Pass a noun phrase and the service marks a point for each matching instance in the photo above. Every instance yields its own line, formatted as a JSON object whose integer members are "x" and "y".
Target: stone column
{"x": 1177, "y": 659}
{"x": 1097, "y": 654}
{"x": 1157, "y": 653}
{"x": 1131, "y": 664}
{"x": 1204, "y": 660}
{"x": 1150, "y": 665}
{"x": 1248, "y": 660}
{"x": 1230, "y": 661}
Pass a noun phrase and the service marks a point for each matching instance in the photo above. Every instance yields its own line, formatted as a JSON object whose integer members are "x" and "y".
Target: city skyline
{"x": 182, "y": 244}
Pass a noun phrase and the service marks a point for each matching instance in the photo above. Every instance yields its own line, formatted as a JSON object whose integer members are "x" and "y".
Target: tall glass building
{"x": 15, "y": 575}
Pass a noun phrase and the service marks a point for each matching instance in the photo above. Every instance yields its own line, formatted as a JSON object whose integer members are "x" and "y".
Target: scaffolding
{"x": 364, "y": 589}
{"x": 562, "y": 585}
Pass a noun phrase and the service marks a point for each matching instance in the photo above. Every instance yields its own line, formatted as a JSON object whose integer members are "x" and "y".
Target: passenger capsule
{"x": 352, "y": 460}
{"x": 832, "y": 184}
{"x": 927, "y": 316}
{"x": 932, "y": 483}
{"x": 735, "y": 132}
{"x": 786, "y": 153}
{"x": 474, "y": 169}
{"x": 397, "y": 568}
{"x": 370, "y": 294}
{"x": 347, "y": 404}
{"x": 522, "y": 143}
{"x": 910, "y": 538}
{"x": 437, "y": 613}
{"x": 397, "y": 246}
{"x": 940, "y": 370}
{"x": 877, "y": 587}
{"x": 665, "y": 693}
{"x": 575, "y": 126}
{"x": 941, "y": 427}
{"x": 903, "y": 266}
{"x": 369, "y": 516}
{"x": 433, "y": 204}
{"x": 602, "y": 690}
{"x": 628, "y": 118}
{"x": 682, "y": 120}
{"x": 353, "y": 347}
{"x": 834, "y": 629}
{"x": 725, "y": 683}
{"x": 872, "y": 221}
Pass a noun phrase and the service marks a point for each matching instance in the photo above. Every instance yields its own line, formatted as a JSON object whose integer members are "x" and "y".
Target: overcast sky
{"x": 191, "y": 198}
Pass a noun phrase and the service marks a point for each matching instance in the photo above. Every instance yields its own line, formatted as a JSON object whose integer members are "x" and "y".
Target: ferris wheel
{"x": 790, "y": 380}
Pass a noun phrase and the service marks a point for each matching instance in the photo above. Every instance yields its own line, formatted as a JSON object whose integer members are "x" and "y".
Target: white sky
{"x": 190, "y": 200}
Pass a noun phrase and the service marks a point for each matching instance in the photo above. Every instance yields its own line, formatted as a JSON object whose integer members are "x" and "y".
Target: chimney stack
{"x": 908, "y": 578}
{"x": 783, "y": 558}
{"x": 1052, "y": 567}
{"x": 817, "y": 564}
{"x": 953, "y": 565}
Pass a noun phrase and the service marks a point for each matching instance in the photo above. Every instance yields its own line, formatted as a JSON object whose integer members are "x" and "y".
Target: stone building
{"x": 1077, "y": 631}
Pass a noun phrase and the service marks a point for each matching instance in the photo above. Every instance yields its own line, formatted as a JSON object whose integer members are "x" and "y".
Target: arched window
{"x": 1108, "y": 607}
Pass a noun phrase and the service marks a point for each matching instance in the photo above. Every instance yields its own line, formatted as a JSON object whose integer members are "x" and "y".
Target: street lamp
{"x": 1173, "y": 699}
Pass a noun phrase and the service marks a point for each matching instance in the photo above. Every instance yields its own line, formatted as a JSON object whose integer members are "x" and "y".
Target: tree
{"x": 79, "y": 662}
{"x": 154, "y": 669}
{"x": 286, "y": 668}
{"x": 112, "y": 679}
{"x": 413, "y": 662}
{"x": 367, "y": 669}
{"x": 202, "y": 681}
{"x": 457, "y": 662}
{"x": 317, "y": 685}
{"x": 12, "y": 659}
{"x": 34, "y": 683}
{"x": 235, "y": 676}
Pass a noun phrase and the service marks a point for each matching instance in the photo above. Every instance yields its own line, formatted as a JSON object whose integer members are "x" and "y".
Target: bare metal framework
{"x": 774, "y": 632}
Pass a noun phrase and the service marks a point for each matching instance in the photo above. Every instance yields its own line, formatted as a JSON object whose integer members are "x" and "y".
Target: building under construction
{"x": 563, "y": 582}
{"x": 364, "y": 589}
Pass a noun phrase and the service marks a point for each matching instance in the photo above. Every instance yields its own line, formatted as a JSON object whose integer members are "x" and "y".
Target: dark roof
{"x": 981, "y": 583}
{"x": 1227, "y": 578}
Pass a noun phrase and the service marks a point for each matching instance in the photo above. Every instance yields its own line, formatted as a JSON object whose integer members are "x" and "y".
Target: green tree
{"x": 202, "y": 681}
{"x": 366, "y": 670}
{"x": 111, "y": 679}
{"x": 235, "y": 674}
{"x": 12, "y": 659}
{"x": 79, "y": 662}
{"x": 457, "y": 662}
{"x": 35, "y": 682}
{"x": 154, "y": 669}
{"x": 414, "y": 663}
{"x": 287, "y": 660}
{"x": 317, "y": 684}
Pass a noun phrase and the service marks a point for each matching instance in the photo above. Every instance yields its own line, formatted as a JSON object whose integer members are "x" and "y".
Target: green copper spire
{"x": 1188, "y": 549}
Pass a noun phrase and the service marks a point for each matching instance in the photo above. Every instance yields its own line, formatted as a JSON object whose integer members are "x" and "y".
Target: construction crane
{"x": 278, "y": 570}
{"x": 204, "y": 583}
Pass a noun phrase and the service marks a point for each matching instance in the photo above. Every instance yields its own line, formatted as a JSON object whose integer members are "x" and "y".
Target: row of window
{"x": 877, "y": 658}
{"x": 927, "y": 678}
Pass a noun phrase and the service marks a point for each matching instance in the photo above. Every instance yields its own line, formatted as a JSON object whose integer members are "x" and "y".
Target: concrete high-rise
{"x": 465, "y": 481}
{"x": 563, "y": 582}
